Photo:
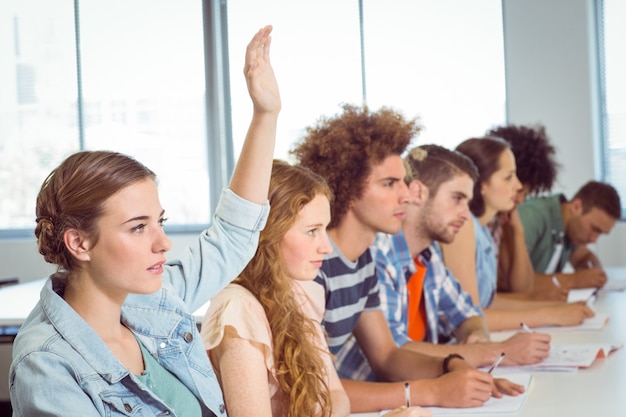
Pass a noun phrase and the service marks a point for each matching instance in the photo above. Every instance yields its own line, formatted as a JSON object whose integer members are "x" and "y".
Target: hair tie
{"x": 418, "y": 154}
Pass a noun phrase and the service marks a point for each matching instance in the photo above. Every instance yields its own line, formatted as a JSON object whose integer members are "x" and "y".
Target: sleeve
{"x": 238, "y": 308}
{"x": 534, "y": 223}
{"x": 456, "y": 304}
{"x": 371, "y": 282}
{"x": 391, "y": 290}
{"x": 43, "y": 384}
{"x": 220, "y": 253}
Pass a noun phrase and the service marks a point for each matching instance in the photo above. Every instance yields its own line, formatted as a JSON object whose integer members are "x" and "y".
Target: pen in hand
{"x": 526, "y": 328}
{"x": 496, "y": 363}
{"x": 556, "y": 281}
{"x": 407, "y": 394}
{"x": 592, "y": 295}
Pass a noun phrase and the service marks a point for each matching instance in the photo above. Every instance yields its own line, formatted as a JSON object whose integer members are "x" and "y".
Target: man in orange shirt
{"x": 425, "y": 306}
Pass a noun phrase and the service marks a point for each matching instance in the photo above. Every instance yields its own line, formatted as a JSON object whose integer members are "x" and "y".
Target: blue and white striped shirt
{"x": 350, "y": 288}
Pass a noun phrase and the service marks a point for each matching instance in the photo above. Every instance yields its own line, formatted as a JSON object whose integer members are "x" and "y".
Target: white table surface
{"x": 599, "y": 390}
{"x": 596, "y": 391}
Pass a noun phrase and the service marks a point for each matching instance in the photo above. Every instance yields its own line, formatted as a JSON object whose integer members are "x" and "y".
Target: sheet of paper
{"x": 506, "y": 404}
{"x": 580, "y": 294}
{"x": 614, "y": 285}
{"x": 569, "y": 357}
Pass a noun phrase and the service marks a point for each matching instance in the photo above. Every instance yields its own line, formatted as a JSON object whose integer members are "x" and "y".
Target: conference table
{"x": 599, "y": 390}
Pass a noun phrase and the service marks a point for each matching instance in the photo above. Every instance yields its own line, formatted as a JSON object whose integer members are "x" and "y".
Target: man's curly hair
{"x": 534, "y": 155}
{"x": 344, "y": 148}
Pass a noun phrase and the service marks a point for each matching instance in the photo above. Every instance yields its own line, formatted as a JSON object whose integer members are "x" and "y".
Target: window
{"x": 139, "y": 89}
{"x": 442, "y": 61}
{"x": 611, "y": 17}
{"x": 38, "y": 115}
{"x": 138, "y": 84}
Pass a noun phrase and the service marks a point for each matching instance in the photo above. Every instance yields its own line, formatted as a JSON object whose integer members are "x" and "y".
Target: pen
{"x": 556, "y": 281}
{"x": 593, "y": 294}
{"x": 407, "y": 394}
{"x": 496, "y": 363}
{"x": 526, "y": 328}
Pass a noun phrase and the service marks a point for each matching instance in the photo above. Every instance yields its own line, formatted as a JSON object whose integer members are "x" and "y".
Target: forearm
{"x": 583, "y": 258}
{"x": 512, "y": 319}
{"x": 375, "y": 396}
{"x": 476, "y": 354}
{"x": 403, "y": 364}
{"x": 521, "y": 273}
{"x": 340, "y": 403}
{"x": 251, "y": 176}
{"x": 473, "y": 329}
{"x": 519, "y": 302}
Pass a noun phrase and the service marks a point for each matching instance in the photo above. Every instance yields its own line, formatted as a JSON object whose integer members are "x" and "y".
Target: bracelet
{"x": 447, "y": 360}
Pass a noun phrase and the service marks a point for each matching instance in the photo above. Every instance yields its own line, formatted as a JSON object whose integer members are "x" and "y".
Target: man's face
{"x": 585, "y": 228}
{"x": 382, "y": 206}
{"x": 443, "y": 214}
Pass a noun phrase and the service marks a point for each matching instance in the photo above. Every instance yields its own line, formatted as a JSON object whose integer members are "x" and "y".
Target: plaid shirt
{"x": 447, "y": 304}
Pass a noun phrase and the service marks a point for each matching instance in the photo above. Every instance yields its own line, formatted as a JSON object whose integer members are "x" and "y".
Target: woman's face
{"x": 306, "y": 243}
{"x": 130, "y": 252}
{"x": 500, "y": 190}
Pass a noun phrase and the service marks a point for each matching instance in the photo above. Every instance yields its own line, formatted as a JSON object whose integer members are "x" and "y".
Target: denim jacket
{"x": 61, "y": 367}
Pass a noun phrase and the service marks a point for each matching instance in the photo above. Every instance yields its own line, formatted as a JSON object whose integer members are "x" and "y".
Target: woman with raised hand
{"x": 263, "y": 332}
{"x": 112, "y": 333}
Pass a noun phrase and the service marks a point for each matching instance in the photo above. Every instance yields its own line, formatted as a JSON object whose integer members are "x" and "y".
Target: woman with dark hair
{"x": 536, "y": 170}
{"x": 263, "y": 332}
{"x": 472, "y": 256}
{"x": 112, "y": 333}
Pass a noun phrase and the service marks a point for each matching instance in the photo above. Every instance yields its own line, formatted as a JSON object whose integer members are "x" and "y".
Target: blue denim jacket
{"x": 61, "y": 367}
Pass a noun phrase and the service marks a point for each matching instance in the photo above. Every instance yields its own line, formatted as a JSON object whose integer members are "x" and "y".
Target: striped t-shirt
{"x": 350, "y": 288}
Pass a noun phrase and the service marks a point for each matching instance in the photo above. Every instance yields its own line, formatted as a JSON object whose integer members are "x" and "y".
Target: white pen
{"x": 556, "y": 281}
{"x": 526, "y": 328}
{"x": 496, "y": 363}
{"x": 407, "y": 394}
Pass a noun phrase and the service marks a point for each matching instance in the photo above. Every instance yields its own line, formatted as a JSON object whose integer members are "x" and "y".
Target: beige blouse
{"x": 237, "y": 307}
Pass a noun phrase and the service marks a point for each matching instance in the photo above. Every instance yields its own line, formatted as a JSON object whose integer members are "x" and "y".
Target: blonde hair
{"x": 300, "y": 370}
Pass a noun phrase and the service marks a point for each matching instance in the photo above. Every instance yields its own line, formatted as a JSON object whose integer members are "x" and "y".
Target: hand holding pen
{"x": 496, "y": 363}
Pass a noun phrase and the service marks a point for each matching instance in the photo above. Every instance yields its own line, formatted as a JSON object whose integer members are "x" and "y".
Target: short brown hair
{"x": 433, "y": 165}
{"x": 602, "y": 196}
{"x": 344, "y": 148}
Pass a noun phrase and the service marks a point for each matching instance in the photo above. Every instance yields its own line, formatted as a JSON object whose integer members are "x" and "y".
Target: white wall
{"x": 552, "y": 79}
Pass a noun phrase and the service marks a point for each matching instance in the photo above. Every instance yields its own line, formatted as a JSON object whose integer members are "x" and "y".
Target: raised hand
{"x": 259, "y": 74}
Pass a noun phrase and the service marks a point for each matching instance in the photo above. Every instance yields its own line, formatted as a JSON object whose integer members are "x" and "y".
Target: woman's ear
{"x": 77, "y": 244}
